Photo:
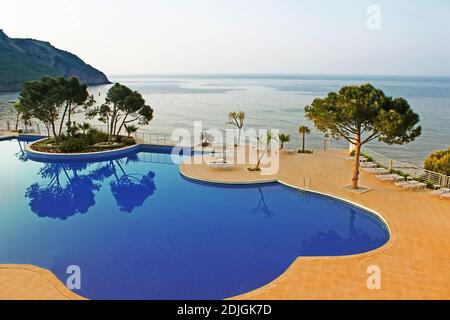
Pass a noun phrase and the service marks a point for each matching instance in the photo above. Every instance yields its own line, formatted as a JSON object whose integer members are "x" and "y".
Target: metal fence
{"x": 141, "y": 135}
{"x": 151, "y": 137}
{"x": 432, "y": 179}
{"x": 35, "y": 128}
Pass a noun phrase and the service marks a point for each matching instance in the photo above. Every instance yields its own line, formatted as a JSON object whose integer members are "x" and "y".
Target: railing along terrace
{"x": 432, "y": 179}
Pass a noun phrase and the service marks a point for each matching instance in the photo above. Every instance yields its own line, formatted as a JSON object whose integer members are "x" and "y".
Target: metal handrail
{"x": 433, "y": 179}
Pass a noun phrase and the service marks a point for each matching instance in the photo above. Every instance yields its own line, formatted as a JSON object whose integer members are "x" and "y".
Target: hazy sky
{"x": 241, "y": 36}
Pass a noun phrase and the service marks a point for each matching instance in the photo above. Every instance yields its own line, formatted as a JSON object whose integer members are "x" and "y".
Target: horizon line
{"x": 261, "y": 74}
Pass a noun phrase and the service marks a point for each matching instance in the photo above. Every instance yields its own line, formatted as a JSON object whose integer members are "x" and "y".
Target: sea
{"x": 278, "y": 102}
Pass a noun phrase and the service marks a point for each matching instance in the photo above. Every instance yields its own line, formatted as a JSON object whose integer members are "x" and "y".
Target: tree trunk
{"x": 111, "y": 126}
{"x": 123, "y": 123}
{"x": 258, "y": 164}
{"x": 57, "y": 138}
{"x": 303, "y": 148}
{"x": 62, "y": 120}
{"x": 17, "y": 121}
{"x": 357, "y": 162}
{"x": 69, "y": 121}
{"x": 239, "y": 137}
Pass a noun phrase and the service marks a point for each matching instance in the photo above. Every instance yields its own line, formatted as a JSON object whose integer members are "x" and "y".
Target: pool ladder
{"x": 305, "y": 184}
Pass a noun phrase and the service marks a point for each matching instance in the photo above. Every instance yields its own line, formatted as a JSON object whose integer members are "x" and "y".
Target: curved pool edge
{"x": 386, "y": 221}
{"x": 359, "y": 256}
{"x": 88, "y": 156}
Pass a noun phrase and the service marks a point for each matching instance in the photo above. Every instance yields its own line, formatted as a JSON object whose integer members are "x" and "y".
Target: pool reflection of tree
{"x": 131, "y": 190}
{"x": 262, "y": 206}
{"x": 21, "y": 155}
{"x": 71, "y": 187}
{"x": 328, "y": 243}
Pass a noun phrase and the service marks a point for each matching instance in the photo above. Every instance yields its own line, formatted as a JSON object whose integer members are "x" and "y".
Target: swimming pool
{"x": 138, "y": 230}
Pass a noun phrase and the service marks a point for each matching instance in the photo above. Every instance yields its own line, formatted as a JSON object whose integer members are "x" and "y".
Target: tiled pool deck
{"x": 415, "y": 264}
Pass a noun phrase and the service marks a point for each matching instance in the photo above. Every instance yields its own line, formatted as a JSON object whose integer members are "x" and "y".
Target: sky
{"x": 377, "y": 37}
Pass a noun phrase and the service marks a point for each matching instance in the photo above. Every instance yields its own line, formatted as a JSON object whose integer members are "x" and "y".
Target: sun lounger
{"x": 368, "y": 165}
{"x": 378, "y": 171}
{"x": 440, "y": 192}
{"x": 220, "y": 165}
{"x": 412, "y": 185}
{"x": 390, "y": 178}
{"x": 361, "y": 159}
{"x": 402, "y": 184}
{"x": 417, "y": 186}
{"x": 445, "y": 196}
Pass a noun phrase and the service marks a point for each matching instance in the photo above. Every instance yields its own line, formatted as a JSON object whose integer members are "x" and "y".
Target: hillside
{"x": 28, "y": 59}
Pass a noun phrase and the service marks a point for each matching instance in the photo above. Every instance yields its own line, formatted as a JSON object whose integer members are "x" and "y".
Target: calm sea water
{"x": 272, "y": 101}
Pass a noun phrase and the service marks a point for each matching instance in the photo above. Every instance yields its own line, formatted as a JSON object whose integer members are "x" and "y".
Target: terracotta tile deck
{"x": 27, "y": 282}
{"x": 415, "y": 264}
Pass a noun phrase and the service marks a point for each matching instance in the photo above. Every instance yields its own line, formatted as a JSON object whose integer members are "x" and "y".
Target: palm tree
{"x": 84, "y": 127}
{"x": 304, "y": 130}
{"x": 283, "y": 138}
{"x": 130, "y": 129}
{"x": 206, "y": 139}
{"x": 237, "y": 119}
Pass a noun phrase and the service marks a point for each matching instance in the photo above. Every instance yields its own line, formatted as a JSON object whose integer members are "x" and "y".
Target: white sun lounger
{"x": 412, "y": 185}
{"x": 378, "y": 171}
{"x": 390, "y": 178}
{"x": 440, "y": 192}
{"x": 368, "y": 165}
{"x": 445, "y": 196}
{"x": 220, "y": 165}
{"x": 361, "y": 159}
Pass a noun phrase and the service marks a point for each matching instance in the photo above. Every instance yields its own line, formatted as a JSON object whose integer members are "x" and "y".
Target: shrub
{"x": 49, "y": 141}
{"x": 439, "y": 162}
{"x": 107, "y": 146}
{"x": 74, "y": 145}
{"x": 96, "y": 136}
{"x": 127, "y": 141}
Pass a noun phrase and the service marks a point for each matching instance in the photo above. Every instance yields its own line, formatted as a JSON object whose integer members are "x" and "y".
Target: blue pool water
{"x": 139, "y": 230}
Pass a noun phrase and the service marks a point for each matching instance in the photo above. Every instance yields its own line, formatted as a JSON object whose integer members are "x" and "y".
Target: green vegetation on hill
{"x": 28, "y": 59}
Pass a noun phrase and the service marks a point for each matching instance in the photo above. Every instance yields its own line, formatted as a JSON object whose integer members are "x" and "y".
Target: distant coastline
{"x": 28, "y": 59}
